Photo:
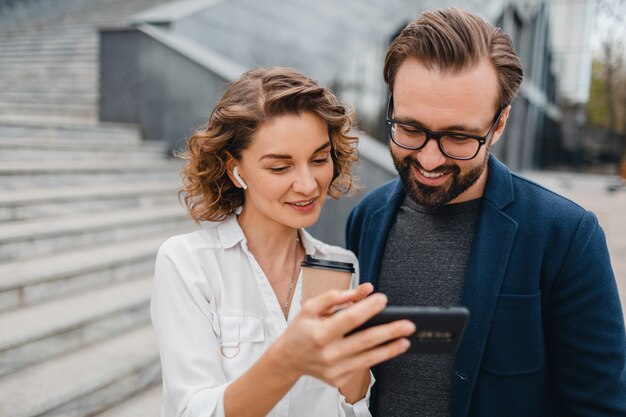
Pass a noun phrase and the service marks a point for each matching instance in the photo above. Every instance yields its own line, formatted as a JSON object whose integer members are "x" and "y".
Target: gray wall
{"x": 146, "y": 82}
{"x": 168, "y": 89}
{"x": 369, "y": 174}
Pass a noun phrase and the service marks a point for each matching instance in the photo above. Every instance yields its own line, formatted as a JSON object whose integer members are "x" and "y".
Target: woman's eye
{"x": 321, "y": 161}
{"x": 278, "y": 169}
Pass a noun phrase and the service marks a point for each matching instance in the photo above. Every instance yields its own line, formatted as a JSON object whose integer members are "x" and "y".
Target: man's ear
{"x": 504, "y": 116}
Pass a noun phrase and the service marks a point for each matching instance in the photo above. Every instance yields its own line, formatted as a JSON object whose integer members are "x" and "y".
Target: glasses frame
{"x": 438, "y": 135}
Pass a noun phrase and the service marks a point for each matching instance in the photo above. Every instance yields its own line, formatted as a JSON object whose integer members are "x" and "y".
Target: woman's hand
{"x": 315, "y": 343}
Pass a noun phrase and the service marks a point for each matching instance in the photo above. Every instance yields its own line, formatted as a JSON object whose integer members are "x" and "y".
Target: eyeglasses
{"x": 455, "y": 145}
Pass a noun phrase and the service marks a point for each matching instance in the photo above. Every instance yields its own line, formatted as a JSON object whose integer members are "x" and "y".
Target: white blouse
{"x": 215, "y": 314}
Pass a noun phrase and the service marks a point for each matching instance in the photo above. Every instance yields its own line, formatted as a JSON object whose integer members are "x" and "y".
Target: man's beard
{"x": 437, "y": 196}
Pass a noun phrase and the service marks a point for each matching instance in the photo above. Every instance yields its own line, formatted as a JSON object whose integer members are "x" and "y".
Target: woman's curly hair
{"x": 258, "y": 96}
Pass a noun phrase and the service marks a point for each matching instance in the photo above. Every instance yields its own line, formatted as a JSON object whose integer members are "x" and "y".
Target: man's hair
{"x": 453, "y": 40}
{"x": 258, "y": 96}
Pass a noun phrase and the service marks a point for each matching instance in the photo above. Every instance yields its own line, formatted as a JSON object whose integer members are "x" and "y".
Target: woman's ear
{"x": 233, "y": 173}
{"x": 238, "y": 178}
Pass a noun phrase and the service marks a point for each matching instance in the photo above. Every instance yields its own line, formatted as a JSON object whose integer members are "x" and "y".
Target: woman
{"x": 226, "y": 300}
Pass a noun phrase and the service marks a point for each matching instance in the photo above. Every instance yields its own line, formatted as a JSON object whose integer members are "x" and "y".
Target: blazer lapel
{"x": 486, "y": 268}
{"x": 376, "y": 234}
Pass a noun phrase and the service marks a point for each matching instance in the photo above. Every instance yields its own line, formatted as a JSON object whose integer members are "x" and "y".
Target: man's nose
{"x": 430, "y": 156}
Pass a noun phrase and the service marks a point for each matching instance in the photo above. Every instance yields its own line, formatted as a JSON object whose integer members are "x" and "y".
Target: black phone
{"x": 439, "y": 329}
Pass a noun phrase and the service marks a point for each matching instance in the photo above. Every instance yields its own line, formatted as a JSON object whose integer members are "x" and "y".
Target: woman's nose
{"x": 305, "y": 182}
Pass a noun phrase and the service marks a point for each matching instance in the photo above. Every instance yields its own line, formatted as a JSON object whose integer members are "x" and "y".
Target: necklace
{"x": 292, "y": 282}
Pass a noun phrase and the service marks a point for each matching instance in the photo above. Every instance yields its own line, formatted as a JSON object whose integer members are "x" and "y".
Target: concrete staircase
{"x": 84, "y": 207}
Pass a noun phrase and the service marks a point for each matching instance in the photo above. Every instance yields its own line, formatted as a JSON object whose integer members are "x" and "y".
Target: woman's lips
{"x": 304, "y": 206}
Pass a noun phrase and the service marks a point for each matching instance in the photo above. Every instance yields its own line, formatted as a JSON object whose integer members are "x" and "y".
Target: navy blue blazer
{"x": 546, "y": 332}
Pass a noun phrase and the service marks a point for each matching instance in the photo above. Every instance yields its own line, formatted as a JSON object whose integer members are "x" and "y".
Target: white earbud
{"x": 236, "y": 175}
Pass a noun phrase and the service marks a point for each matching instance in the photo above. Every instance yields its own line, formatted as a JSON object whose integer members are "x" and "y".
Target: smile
{"x": 306, "y": 206}
{"x": 430, "y": 179}
{"x": 432, "y": 174}
{"x": 303, "y": 203}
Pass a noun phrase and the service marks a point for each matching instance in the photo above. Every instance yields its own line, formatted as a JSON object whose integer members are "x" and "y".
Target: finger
{"x": 375, "y": 336}
{"x": 372, "y": 357}
{"x": 322, "y": 303}
{"x": 363, "y": 291}
{"x": 367, "y": 339}
{"x": 355, "y": 315}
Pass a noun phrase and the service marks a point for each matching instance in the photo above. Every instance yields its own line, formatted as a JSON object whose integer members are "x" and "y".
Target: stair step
{"x": 78, "y": 60}
{"x": 71, "y": 323}
{"x": 70, "y": 46}
{"x": 42, "y": 86}
{"x": 83, "y": 382}
{"x": 153, "y": 148}
{"x": 40, "y": 167}
{"x": 146, "y": 404}
{"x": 61, "y": 70}
{"x": 33, "y": 203}
{"x": 14, "y": 149}
{"x": 27, "y": 282}
{"x": 106, "y": 133}
{"x": 30, "y": 238}
{"x": 53, "y": 119}
{"x": 83, "y": 98}
{"x": 16, "y": 182}
{"x": 23, "y": 174}
{"x": 44, "y": 53}
{"x": 83, "y": 39}
{"x": 79, "y": 110}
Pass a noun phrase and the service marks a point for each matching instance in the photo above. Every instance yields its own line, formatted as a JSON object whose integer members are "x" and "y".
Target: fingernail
{"x": 405, "y": 343}
{"x": 409, "y": 327}
{"x": 380, "y": 298}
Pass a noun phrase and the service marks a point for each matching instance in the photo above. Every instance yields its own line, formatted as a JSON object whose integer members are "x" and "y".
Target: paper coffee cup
{"x": 321, "y": 275}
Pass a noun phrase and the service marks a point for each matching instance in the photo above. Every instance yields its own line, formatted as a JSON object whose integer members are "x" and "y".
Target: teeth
{"x": 306, "y": 203}
{"x": 431, "y": 174}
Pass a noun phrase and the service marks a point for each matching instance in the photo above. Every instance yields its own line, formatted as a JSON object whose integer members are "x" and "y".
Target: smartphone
{"x": 439, "y": 329}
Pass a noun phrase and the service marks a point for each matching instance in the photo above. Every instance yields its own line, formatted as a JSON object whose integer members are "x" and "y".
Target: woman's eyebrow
{"x": 285, "y": 156}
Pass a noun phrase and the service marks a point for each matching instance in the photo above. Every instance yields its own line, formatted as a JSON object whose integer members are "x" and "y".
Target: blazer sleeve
{"x": 586, "y": 338}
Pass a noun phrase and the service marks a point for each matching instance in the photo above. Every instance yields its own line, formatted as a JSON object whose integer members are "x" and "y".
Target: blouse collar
{"x": 230, "y": 234}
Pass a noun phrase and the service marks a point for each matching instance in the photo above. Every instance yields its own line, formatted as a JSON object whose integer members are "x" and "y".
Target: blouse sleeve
{"x": 361, "y": 407}
{"x": 184, "y": 320}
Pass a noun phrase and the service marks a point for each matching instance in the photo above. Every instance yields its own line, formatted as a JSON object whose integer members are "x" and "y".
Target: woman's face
{"x": 288, "y": 169}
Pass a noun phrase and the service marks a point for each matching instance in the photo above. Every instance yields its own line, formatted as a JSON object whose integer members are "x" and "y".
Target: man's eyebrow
{"x": 285, "y": 156}
{"x": 451, "y": 128}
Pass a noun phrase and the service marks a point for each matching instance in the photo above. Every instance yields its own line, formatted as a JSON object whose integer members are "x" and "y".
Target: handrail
{"x": 172, "y": 11}
{"x": 194, "y": 51}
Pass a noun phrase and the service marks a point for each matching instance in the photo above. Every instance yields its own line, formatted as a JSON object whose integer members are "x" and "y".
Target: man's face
{"x": 464, "y": 102}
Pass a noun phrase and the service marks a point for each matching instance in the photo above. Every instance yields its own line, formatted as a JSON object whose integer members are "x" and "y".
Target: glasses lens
{"x": 459, "y": 146}
{"x": 408, "y": 136}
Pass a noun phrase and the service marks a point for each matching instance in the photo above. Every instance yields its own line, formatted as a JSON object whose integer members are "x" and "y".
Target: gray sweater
{"x": 424, "y": 264}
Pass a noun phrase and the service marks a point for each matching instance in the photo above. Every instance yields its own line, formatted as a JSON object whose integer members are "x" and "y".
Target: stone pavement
{"x": 593, "y": 192}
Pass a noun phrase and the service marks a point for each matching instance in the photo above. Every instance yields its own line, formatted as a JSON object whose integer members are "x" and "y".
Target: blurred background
{"x": 96, "y": 95}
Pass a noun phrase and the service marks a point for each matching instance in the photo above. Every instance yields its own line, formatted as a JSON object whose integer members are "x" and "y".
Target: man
{"x": 546, "y": 332}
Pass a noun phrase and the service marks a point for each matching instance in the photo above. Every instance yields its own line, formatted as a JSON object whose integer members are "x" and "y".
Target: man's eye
{"x": 459, "y": 138}
{"x": 408, "y": 130}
